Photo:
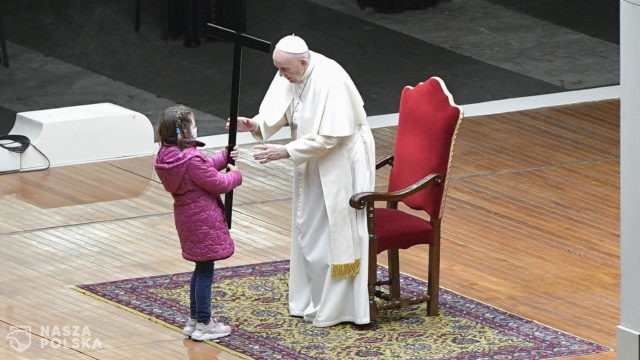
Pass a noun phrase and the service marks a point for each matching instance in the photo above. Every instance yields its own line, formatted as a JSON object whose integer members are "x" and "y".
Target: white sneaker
{"x": 213, "y": 330}
{"x": 190, "y": 327}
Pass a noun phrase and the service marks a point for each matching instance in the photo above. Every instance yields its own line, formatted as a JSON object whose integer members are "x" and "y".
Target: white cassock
{"x": 334, "y": 157}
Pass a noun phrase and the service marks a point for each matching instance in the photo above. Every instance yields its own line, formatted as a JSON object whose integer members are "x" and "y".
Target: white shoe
{"x": 210, "y": 331}
{"x": 190, "y": 327}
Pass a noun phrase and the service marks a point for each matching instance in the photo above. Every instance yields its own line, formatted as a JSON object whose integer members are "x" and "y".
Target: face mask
{"x": 194, "y": 133}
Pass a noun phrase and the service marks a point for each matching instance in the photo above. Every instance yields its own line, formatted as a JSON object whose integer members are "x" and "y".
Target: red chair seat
{"x": 397, "y": 229}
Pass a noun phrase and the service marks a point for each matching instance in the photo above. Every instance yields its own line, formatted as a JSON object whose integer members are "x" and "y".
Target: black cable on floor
{"x": 19, "y": 144}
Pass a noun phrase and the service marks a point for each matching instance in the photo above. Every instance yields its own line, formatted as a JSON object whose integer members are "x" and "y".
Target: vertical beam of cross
{"x": 240, "y": 40}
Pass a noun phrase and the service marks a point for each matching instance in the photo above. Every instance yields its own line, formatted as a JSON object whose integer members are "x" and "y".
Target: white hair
{"x": 305, "y": 55}
{"x": 297, "y": 56}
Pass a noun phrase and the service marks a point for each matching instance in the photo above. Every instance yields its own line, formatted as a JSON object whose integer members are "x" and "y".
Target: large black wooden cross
{"x": 239, "y": 41}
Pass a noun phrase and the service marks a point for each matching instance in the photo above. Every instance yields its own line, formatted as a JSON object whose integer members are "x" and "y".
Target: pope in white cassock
{"x": 334, "y": 157}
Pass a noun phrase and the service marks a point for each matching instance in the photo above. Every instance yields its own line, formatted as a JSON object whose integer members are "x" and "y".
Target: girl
{"x": 195, "y": 182}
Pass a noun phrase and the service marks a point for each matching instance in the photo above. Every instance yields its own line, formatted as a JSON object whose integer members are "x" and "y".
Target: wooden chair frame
{"x": 393, "y": 299}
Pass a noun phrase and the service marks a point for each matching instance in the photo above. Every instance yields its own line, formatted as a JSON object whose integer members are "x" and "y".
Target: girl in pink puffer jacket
{"x": 195, "y": 182}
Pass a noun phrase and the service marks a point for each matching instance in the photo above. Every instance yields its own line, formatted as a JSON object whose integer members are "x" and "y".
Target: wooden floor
{"x": 531, "y": 226}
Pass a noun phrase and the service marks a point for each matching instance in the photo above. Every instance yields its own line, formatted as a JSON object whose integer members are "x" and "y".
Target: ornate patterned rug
{"x": 253, "y": 300}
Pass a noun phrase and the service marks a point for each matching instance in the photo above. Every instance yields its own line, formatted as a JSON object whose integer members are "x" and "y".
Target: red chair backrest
{"x": 426, "y": 127}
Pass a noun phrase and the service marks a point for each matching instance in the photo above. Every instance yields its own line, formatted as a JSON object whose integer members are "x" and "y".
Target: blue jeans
{"x": 200, "y": 291}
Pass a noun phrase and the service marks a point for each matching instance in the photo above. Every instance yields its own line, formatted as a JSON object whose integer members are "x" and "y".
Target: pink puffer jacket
{"x": 195, "y": 182}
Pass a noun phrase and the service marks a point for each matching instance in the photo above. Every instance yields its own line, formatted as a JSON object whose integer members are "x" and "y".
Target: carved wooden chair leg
{"x": 372, "y": 265}
{"x": 433, "y": 277}
{"x": 394, "y": 274}
{"x": 372, "y": 278}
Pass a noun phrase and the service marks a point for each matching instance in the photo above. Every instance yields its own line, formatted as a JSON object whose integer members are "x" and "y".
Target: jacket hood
{"x": 171, "y": 165}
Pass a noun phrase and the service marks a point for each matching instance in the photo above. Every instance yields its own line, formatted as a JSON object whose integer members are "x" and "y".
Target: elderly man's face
{"x": 289, "y": 66}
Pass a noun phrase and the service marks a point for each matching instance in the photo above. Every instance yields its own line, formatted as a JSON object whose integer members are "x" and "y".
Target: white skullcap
{"x": 292, "y": 44}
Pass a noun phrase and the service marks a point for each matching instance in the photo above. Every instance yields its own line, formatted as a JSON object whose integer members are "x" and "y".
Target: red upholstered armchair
{"x": 427, "y": 127}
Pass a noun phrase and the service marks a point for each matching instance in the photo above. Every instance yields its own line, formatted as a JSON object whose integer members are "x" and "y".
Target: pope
{"x": 334, "y": 157}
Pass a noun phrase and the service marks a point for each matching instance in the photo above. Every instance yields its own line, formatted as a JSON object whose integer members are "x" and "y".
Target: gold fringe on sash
{"x": 345, "y": 270}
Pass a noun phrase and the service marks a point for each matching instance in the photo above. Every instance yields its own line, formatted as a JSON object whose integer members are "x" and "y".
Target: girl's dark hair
{"x": 175, "y": 123}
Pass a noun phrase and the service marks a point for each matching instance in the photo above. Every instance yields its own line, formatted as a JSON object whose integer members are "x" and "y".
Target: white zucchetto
{"x": 292, "y": 44}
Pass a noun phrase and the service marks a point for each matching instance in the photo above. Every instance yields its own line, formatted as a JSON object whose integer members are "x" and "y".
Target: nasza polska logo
{"x": 19, "y": 337}
{"x": 70, "y": 336}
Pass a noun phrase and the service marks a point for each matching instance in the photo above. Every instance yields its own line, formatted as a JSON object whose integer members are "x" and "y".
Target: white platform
{"x": 79, "y": 134}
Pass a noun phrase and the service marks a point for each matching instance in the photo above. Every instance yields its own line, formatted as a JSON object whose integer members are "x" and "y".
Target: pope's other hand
{"x": 270, "y": 152}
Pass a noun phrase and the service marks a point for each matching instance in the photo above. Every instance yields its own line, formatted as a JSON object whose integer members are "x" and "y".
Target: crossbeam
{"x": 237, "y": 38}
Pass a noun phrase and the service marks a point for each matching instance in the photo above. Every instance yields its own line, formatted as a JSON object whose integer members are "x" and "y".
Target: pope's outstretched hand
{"x": 245, "y": 124}
{"x": 270, "y": 152}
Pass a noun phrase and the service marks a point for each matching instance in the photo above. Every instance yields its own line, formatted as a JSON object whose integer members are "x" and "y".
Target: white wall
{"x": 629, "y": 328}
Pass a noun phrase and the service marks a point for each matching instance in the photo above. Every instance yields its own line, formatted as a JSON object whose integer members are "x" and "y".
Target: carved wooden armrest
{"x": 387, "y": 160}
{"x": 359, "y": 200}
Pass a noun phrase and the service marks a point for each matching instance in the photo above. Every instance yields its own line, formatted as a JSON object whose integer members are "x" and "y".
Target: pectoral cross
{"x": 240, "y": 40}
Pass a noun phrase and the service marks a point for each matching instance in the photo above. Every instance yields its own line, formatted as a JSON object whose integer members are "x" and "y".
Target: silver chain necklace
{"x": 295, "y": 106}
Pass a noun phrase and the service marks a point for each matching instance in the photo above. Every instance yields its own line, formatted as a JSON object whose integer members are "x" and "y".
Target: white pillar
{"x": 628, "y": 334}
